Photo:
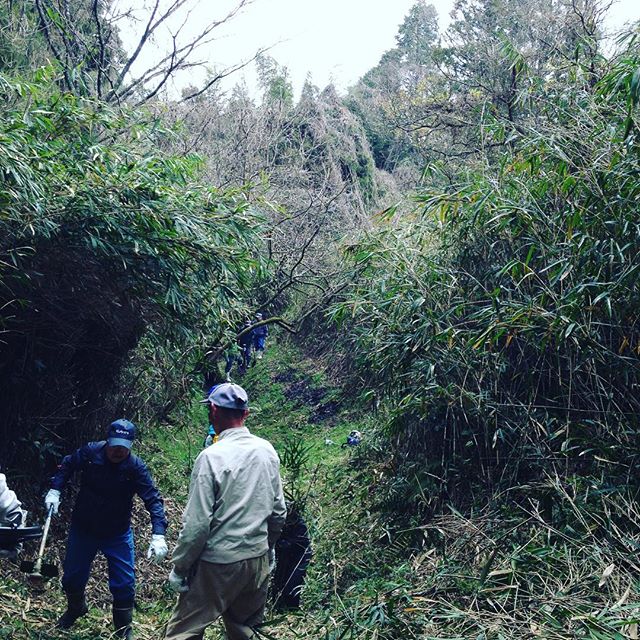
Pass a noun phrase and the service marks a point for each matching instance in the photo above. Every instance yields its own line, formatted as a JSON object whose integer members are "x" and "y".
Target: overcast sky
{"x": 332, "y": 40}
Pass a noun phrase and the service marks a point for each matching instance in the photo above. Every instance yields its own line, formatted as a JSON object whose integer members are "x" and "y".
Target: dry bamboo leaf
{"x": 623, "y": 599}
{"x": 606, "y": 573}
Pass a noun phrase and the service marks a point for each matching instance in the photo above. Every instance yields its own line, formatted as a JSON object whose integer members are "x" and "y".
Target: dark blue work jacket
{"x": 104, "y": 503}
{"x": 261, "y": 331}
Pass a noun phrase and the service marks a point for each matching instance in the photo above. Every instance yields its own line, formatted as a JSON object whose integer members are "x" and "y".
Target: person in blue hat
{"x": 101, "y": 521}
{"x": 260, "y": 334}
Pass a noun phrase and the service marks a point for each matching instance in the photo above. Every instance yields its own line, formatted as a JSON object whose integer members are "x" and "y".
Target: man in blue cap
{"x": 101, "y": 521}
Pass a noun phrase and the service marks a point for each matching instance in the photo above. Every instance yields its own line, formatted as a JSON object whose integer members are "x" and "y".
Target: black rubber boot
{"x": 122, "y": 618}
{"x": 76, "y": 608}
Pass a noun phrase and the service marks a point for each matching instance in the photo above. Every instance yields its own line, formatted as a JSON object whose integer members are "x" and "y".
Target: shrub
{"x": 104, "y": 242}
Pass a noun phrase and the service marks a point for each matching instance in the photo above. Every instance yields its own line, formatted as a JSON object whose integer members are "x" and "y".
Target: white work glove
{"x": 52, "y": 499}
{"x": 272, "y": 560}
{"x": 177, "y": 583}
{"x": 158, "y": 548}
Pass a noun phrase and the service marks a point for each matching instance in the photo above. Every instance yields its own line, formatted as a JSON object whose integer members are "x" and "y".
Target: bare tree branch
{"x": 102, "y": 51}
{"x": 223, "y": 74}
{"x": 179, "y": 56}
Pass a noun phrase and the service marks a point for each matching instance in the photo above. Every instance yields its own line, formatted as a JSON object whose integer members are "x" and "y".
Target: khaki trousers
{"x": 236, "y": 591}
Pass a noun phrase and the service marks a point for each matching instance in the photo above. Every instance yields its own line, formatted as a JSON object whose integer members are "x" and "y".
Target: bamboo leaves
{"x": 519, "y": 281}
{"x": 106, "y": 243}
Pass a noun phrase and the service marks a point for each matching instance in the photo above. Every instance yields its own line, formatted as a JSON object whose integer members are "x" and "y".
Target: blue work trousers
{"x": 118, "y": 550}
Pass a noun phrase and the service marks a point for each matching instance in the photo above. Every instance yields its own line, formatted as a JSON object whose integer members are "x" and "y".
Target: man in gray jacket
{"x": 234, "y": 514}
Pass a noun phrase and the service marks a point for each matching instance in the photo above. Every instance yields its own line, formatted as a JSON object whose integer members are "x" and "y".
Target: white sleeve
{"x": 278, "y": 516}
{"x": 9, "y": 503}
{"x": 196, "y": 519}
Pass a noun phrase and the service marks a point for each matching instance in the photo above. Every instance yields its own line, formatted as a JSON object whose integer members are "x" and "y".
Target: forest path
{"x": 291, "y": 402}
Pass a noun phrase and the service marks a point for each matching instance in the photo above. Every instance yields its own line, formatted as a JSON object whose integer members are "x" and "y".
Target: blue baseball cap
{"x": 121, "y": 434}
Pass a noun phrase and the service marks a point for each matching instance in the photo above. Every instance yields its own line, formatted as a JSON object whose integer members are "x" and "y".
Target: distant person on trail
{"x": 231, "y": 356}
{"x": 211, "y": 437}
{"x": 110, "y": 477}
{"x": 233, "y": 517}
{"x": 353, "y": 439}
{"x": 11, "y": 516}
{"x": 293, "y": 554}
{"x": 245, "y": 342}
{"x": 260, "y": 337}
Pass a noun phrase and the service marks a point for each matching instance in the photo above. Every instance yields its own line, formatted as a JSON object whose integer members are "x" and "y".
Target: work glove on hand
{"x": 177, "y": 583}
{"x": 272, "y": 560}
{"x": 52, "y": 499}
{"x": 158, "y": 548}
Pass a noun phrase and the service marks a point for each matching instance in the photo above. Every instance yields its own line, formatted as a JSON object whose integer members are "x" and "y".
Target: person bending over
{"x": 101, "y": 521}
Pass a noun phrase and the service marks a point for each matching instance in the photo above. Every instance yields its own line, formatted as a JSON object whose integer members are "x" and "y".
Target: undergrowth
{"x": 508, "y": 568}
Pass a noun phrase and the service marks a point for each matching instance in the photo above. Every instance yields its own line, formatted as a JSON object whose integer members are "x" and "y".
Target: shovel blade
{"x": 49, "y": 570}
{"x": 46, "y": 570}
{"x": 27, "y": 566}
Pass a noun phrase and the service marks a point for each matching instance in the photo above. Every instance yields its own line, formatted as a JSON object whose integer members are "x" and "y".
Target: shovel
{"x": 12, "y": 536}
{"x": 36, "y": 571}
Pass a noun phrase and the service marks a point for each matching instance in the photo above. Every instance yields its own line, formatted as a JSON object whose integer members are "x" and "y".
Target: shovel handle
{"x": 43, "y": 542}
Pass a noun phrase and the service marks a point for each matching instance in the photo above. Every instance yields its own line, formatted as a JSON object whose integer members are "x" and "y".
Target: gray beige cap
{"x": 228, "y": 396}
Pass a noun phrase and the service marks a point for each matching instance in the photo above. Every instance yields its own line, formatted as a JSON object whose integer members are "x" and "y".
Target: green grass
{"x": 170, "y": 449}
